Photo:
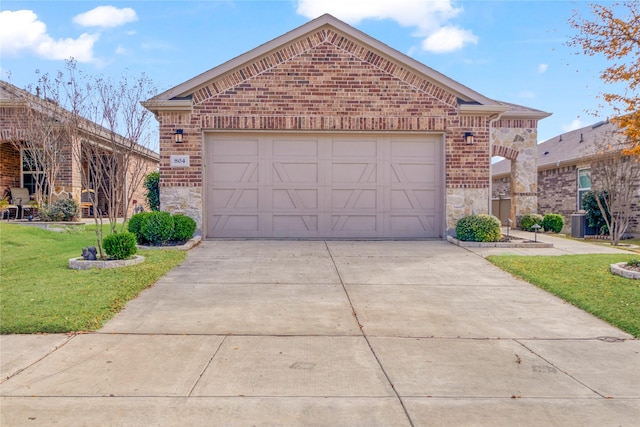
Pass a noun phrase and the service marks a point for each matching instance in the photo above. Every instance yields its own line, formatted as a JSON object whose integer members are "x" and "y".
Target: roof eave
{"x": 156, "y": 105}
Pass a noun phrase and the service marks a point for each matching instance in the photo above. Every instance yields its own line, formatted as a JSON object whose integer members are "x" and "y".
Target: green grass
{"x": 585, "y": 281}
{"x": 39, "y": 293}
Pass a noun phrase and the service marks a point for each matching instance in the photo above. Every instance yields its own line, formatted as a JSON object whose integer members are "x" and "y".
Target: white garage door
{"x": 319, "y": 186}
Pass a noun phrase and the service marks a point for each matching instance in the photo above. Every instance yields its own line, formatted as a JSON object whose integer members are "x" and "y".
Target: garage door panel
{"x": 355, "y": 172}
{"x": 354, "y": 199}
{"x": 234, "y": 198}
{"x": 233, "y": 147}
{"x": 294, "y": 225}
{"x": 235, "y": 225}
{"x": 418, "y": 200}
{"x": 295, "y": 199}
{"x": 295, "y": 172}
{"x": 355, "y": 225}
{"x": 354, "y": 148}
{"x": 324, "y": 186}
{"x": 295, "y": 148}
{"x": 412, "y": 226}
{"x": 413, "y": 149}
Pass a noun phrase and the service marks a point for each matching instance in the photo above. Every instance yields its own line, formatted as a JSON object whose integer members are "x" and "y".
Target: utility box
{"x": 578, "y": 225}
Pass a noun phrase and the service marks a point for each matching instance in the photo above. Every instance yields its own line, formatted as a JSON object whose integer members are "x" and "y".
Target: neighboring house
{"x": 325, "y": 132}
{"x": 18, "y": 107}
{"x": 566, "y": 166}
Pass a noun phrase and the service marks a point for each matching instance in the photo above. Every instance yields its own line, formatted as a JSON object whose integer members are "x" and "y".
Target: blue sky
{"x": 512, "y": 51}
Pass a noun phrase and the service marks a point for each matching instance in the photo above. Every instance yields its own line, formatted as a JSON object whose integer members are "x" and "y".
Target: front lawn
{"x": 584, "y": 281}
{"x": 39, "y": 293}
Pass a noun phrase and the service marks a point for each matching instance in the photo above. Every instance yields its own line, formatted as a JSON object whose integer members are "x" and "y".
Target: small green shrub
{"x": 553, "y": 222}
{"x": 634, "y": 263}
{"x": 120, "y": 245}
{"x": 60, "y": 210}
{"x": 157, "y": 227}
{"x": 134, "y": 225}
{"x": 479, "y": 228}
{"x": 152, "y": 184}
{"x": 183, "y": 227}
{"x": 529, "y": 220}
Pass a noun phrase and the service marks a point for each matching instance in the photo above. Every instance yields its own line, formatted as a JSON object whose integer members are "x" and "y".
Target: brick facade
{"x": 68, "y": 182}
{"x": 328, "y": 80}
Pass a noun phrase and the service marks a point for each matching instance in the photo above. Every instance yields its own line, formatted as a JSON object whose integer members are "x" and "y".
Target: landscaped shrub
{"x": 529, "y": 220}
{"x": 152, "y": 184}
{"x": 594, "y": 215}
{"x": 134, "y": 225}
{"x": 157, "y": 227}
{"x": 120, "y": 245}
{"x": 183, "y": 227}
{"x": 478, "y": 228}
{"x": 553, "y": 222}
{"x": 60, "y": 210}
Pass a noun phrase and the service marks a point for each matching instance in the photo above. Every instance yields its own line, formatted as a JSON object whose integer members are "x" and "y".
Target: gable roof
{"x": 568, "y": 148}
{"x": 328, "y": 29}
{"x": 13, "y": 97}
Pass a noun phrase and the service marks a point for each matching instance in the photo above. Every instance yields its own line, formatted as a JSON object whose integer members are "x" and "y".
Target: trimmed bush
{"x": 529, "y": 220}
{"x": 183, "y": 227}
{"x": 120, "y": 245}
{"x": 553, "y": 222}
{"x": 157, "y": 227}
{"x": 479, "y": 228}
{"x": 152, "y": 184}
{"x": 60, "y": 210}
{"x": 594, "y": 214}
{"x": 134, "y": 225}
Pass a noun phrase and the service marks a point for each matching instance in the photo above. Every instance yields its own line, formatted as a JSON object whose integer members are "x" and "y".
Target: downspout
{"x": 492, "y": 119}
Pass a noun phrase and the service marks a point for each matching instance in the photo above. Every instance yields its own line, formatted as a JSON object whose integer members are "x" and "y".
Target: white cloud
{"x": 542, "y": 68}
{"x": 575, "y": 124}
{"x": 106, "y": 17}
{"x": 22, "y": 31}
{"x": 429, "y": 18}
{"x": 448, "y": 39}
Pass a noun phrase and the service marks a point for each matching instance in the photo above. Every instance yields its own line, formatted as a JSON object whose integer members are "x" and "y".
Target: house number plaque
{"x": 179, "y": 161}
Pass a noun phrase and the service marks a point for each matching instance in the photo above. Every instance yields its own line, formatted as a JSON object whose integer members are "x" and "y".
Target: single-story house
{"x": 567, "y": 166}
{"x": 325, "y": 132}
{"x": 21, "y": 112}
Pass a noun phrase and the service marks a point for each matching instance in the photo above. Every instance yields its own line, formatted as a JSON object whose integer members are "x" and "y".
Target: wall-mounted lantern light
{"x": 178, "y": 136}
{"x": 468, "y": 138}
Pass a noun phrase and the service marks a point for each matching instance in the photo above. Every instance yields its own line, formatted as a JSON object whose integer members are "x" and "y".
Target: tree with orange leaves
{"x": 614, "y": 32}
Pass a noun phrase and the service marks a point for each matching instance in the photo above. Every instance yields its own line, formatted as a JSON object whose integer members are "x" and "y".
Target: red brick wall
{"x": 9, "y": 166}
{"x": 326, "y": 82}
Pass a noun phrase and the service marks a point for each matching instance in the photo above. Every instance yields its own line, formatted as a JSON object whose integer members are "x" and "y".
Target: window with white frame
{"x": 584, "y": 184}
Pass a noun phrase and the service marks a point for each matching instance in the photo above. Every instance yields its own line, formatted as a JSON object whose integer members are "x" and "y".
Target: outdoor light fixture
{"x": 468, "y": 138}
{"x": 178, "y": 136}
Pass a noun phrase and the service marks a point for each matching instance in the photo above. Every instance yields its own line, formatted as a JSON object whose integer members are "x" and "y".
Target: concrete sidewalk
{"x": 299, "y": 333}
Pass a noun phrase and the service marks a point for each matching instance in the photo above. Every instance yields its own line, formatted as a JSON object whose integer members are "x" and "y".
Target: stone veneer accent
{"x": 462, "y": 202}
{"x": 183, "y": 200}
{"x": 517, "y": 140}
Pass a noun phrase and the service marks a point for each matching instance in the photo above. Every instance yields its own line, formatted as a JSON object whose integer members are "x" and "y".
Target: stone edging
{"x": 522, "y": 244}
{"x": 81, "y": 264}
{"x": 188, "y": 245}
{"x": 617, "y": 269}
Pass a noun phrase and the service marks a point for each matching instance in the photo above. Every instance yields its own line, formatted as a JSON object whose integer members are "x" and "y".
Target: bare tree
{"x": 615, "y": 176}
{"x": 107, "y": 128}
{"x": 42, "y": 139}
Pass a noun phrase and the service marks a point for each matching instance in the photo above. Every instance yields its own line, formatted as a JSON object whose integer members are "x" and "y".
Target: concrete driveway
{"x": 312, "y": 333}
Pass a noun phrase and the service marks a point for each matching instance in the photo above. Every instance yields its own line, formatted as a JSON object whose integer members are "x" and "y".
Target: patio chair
{"x": 87, "y": 201}
{"x": 8, "y": 208}
{"x": 20, "y": 198}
